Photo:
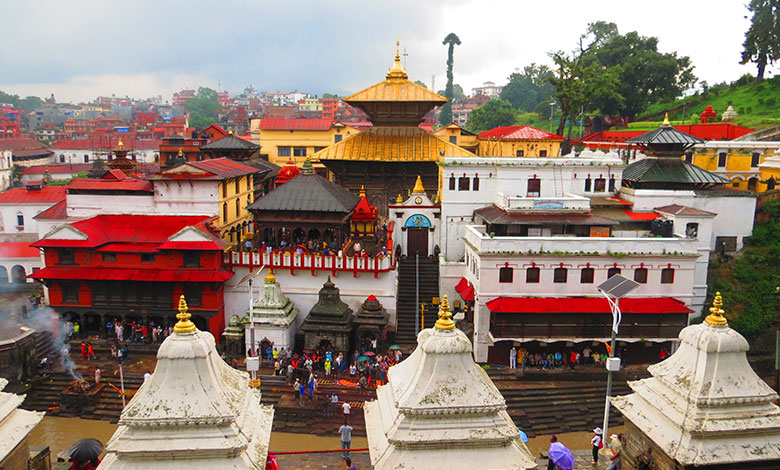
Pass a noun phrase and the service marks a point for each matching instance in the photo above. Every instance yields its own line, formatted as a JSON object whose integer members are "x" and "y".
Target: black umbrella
{"x": 85, "y": 450}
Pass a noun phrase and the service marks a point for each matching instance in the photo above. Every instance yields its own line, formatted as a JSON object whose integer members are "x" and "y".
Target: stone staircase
{"x": 290, "y": 416}
{"x": 405, "y": 300}
{"x": 549, "y": 403}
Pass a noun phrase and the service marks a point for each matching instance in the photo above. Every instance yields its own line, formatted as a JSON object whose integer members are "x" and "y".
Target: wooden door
{"x": 417, "y": 241}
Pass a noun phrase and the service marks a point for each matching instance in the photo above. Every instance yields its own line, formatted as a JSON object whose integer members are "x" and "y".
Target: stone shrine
{"x": 703, "y": 407}
{"x": 15, "y": 427}
{"x": 234, "y": 337}
{"x": 441, "y": 410}
{"x": 370, "y": 320}
{"x": 329, "y": 322}
{"x": 274, "y": 315}
{"x": 194, "y": 412}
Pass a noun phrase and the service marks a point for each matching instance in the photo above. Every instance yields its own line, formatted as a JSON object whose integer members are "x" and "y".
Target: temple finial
{"x": 445, "y": 316}
{"x": 184, "y": 325}
{"x": 716, "y": 318}
{"x": 181, "y": 153}
{"x": 666, "y": 122}
{"x": 397, "y": 70}
{"x": 399, "y": 199}
{"x": 418, "y": 186}
{"x": 362, "y": 191}
{"x": 270, "y": 278}
{"x": 120, "y": 144}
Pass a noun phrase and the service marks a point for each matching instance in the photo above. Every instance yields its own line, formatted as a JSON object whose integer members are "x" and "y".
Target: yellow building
{"x": 282, "y": 140}
{"x": 740, "y": 162}
{"x": 310, "y": 105}
{"x": 220, "y": 186}
{"x": 518, "y": 141}
{"x": 459, "y": 136}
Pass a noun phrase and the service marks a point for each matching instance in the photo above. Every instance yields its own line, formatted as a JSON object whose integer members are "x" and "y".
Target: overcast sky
{"x": 80, "y": 49}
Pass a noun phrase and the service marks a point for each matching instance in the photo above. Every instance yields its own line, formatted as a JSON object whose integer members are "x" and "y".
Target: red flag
{"x": 609, "y": 348}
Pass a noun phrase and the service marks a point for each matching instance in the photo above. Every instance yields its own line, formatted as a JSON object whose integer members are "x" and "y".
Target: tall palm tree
{"x": 452, "y": 40}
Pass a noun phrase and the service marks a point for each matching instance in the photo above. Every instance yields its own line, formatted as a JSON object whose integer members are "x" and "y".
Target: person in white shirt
{"x": 346, "y": 408}
{"x": 513, "y": 358}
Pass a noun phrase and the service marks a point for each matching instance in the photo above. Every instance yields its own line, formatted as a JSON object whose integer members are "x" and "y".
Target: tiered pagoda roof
{"x": 364, "y": 211}
{"x": 307, "y": 192}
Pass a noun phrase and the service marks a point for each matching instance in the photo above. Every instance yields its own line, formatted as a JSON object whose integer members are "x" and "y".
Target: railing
{"x": 311, "y": 262}
{"x": 591, "y": 325}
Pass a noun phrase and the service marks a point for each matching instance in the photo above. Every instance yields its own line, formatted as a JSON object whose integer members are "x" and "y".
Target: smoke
{"x": 17, "y": 311}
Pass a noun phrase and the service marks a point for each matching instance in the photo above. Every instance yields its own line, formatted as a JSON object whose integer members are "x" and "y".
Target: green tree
{"x": 527, "y": 89}
{"x": 495, "y": 113}
{"x": 646, "y": 75}
{"x": 28, "y": 103}
{"x": 457, "y": 92}
{"x": 421, "y": 83}
{"x": 328, "y": 96}
{"x": 452, "y": 40}
{"x": 203, "y": 109}
{"x": 762, "y": 39}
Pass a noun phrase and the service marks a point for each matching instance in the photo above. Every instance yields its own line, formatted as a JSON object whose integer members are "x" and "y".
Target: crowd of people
{"x": 562, "y": 359}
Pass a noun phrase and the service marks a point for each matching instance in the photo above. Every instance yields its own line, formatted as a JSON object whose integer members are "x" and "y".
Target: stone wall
{"x": 17, "y": 458}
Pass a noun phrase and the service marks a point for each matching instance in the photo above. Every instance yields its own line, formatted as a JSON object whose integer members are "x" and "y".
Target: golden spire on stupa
{"x": 362, "y": 191}
{"x": 270, "y": 277}
{"x": 666, "y": 122}
{"x": 418, "y": 186}
{"x": 181, "y": 153}
{"x": 184, "y": 325}
{"x": 120, "y": 144}
{"x": 397, "y": 70}
{"x": 445, "y": 316}
{"x": 716, "y": 318}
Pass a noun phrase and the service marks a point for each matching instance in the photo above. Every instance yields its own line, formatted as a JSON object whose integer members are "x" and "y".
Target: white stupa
{"x": 704, "y": 405}
{"x": 195, "y": 412}
{"x": 15, "y": 427}
{"x": 274, "y": 316}
{"x": 441, "y": 410}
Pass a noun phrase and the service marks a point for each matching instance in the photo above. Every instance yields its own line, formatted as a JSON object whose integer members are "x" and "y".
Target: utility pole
{"x": 417, "y": 291}
{"x": 122, "y": 383}
{"x": 552, "y": 108}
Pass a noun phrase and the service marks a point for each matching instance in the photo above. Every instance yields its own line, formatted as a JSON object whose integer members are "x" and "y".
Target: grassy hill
{"x": 758, "y": 104}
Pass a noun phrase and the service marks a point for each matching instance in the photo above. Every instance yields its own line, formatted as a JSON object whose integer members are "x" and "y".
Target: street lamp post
{"x": 252, "y": 362}
{"x": 613, "y": 289}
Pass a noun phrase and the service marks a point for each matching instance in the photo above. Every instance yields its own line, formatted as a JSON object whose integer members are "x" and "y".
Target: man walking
{"x": 346, "y": 439}
{"x": 346, "y": 409}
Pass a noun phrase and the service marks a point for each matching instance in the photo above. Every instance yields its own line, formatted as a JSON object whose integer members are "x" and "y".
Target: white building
{"x": 15, "y": 427}
{"x": 525, "y": 236}
{"x": 67, "y": 151}
{"x": 19, "y": 206}
{"x": 489, "y": 89}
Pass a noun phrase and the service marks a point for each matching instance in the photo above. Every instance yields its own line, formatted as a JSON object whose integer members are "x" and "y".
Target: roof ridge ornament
{"x": 270, "y": 278}
{"x": 716, "y": 318}
{"x": 362, "y": 190}
{"x": 666, "y": 122}
{"x": 184, "y": 325}
{"x": 307, "y": 168}
{"x": 445, "y": 316}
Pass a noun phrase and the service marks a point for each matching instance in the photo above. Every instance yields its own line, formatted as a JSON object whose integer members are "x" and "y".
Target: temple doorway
{"x": 417, "y": 241}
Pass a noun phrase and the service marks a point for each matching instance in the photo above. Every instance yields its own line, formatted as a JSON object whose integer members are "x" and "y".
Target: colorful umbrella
{"x": 363, "y": 359}
{"x": 369, "y": 353}
{"x": 395, "y": 347}
{"x": 561, "y": 456}
{"x": 523, "y": 436}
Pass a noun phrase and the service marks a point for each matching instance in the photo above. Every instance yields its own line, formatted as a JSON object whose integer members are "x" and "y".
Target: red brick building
{"x": 135, "y": 267}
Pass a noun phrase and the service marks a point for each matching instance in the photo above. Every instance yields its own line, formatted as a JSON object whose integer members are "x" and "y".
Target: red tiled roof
{"x": 18, "y": 250}
{"x": 105, "y": 143}
{"x": 224, "y": 167}
{"x": 50, "y": 194}
{"x": 146, "y": 229}
{"x": 658, "y": 305}
{"x": 32, "y": 153}
{"x": 61, "y": 168}
{"x": 58, "y": 211}
{"x": 283, "y": 124}
{"x": 518, "y": 133}
{"x": 123, "y": 274}
{"x": 112, "y": 185}
{"x": 22, "y": 143}
{"x": 677, "y": 209}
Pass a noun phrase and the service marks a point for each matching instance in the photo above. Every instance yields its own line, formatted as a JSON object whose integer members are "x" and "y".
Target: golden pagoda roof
{"x": 392, "y": 143}
{"x": 396, "y": 89}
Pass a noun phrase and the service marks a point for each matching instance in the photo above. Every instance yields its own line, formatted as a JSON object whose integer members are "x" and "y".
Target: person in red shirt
{"x": 572, "y": 359}
{"x": 83, "y": 351}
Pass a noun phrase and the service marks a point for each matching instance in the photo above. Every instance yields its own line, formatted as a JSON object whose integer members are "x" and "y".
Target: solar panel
{"x": 618, "y": 286}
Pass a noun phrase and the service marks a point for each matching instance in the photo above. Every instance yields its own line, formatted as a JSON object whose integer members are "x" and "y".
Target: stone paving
{"x": 333, "y": 460}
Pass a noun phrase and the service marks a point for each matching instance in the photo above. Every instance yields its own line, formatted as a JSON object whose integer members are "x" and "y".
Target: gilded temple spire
{"x": 716, "y": 318}
{"x": 418, "y": 186}
{"x": 445, "y": 316}
{"x": 397, "y": 70}
{"x": 184, "y": 325}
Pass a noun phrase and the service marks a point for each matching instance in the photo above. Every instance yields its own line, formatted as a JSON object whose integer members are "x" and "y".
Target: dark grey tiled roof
{"x": 666, "y": 135}
{"x": 307, "y": 192}
{"x": 230, "y": 142}
{"x": 669, "y": 170}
